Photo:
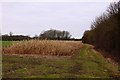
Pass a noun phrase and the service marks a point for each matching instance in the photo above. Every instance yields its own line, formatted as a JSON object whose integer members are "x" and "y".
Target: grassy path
{"x": 87, "y": 63}
{"x": 94, "y": 64}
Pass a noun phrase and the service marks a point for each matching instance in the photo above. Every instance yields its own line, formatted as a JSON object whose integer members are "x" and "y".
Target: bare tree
{"x": 55, "y": 34}
{"x": 10, "y": 33}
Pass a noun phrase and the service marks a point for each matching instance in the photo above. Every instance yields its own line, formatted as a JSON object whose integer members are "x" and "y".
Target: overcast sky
{"x": 32, "y": 18}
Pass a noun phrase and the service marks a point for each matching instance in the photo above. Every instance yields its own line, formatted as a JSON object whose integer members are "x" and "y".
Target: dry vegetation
{"x": 44, "y": 47}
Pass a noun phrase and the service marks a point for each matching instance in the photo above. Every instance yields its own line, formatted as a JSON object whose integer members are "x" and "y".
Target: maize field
{"x": 44, "y": 47}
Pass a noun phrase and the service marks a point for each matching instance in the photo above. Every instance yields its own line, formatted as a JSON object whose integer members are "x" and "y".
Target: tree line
{"x": 105, "y": 30}
{"x": 51, "y": 34}
{"x": 55, "y": 34}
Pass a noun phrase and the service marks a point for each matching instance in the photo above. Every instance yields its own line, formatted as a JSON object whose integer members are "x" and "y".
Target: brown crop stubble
{"x": 44, "y": 47}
